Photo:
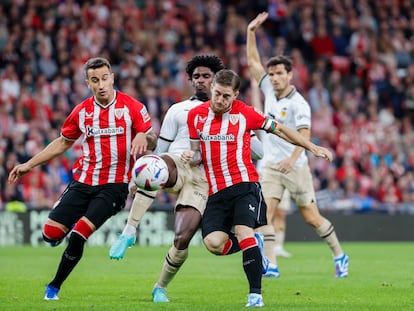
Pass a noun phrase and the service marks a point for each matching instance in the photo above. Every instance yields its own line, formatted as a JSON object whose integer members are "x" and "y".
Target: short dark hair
{"x": 280, "y": 60}
{"x": 210, "y": 61}
{"x": 96, "y": 62}
{"x": 228, "y": 77}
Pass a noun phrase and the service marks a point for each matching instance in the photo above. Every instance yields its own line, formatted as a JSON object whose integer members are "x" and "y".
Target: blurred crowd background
{"x": 352, "y": 60}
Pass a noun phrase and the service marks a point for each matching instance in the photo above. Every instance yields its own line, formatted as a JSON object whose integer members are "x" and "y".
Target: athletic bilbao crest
{"x": 234, "y": 118}
{"x": 119, "y": 113}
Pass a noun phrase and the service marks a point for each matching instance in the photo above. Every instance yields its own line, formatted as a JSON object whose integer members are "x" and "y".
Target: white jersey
{"x": 174, "y": 137}
{"x": 292, "y": 111}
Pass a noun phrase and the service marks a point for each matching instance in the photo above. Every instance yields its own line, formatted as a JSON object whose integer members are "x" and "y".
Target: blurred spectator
{"x": 300, "y": 71}
{"x": 322, "y": 43}
{"x": 388, "y": 192}
{"x": 340, "y": 41}
{"x": 318, "y": 93}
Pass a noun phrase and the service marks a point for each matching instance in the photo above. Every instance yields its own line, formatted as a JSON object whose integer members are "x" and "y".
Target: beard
{"x": 203, "y": 96}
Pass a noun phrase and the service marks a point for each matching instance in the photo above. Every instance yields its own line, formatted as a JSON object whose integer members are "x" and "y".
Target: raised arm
{"x": 253, "y": 58}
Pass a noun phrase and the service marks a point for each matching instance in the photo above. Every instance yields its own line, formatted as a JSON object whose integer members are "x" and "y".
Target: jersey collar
{"x": 290, "y": 94}
{"x": 100, "y": 105}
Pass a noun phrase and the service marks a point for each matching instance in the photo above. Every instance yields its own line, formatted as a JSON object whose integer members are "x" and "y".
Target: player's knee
{"x": 182, "y": 240}
{"x": 52, "y": 233}
{"x": 266, "y": 230}
{"x": 214, "y": 245}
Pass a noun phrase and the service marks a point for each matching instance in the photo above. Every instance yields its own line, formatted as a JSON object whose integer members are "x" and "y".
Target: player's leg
{"x": 249, "y": 213}
{"x": 71, "y": 256}
{"x": 67, "y": 211}
{"x": 187, "y": 221}
{"x": 98, "y": 204}
{"x": 191, "y": 188}
{"x": 272, "y": 191}
{"x": 306, "y": 203}
{"x": 279, "y": 224}
{"x": 54, "y": 232}
{"x": 218, "y": 236}
{"x": 226, "y": 209}
{"x": 62, "y": 217}
{"x": 142, "y": 202}
{"x": 326, "y": 231}
{"x": 268, "y": 233}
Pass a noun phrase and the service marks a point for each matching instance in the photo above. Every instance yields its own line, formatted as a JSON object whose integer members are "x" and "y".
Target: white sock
{"x": 129, "y": 230}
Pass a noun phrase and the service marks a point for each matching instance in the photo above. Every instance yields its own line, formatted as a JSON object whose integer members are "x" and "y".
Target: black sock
{"x": 252, "y": 265}
{"x": 235, "y": 247}
{"x": 71, "y": 256}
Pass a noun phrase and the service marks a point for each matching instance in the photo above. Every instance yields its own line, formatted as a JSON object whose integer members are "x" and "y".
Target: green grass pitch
{"x": 381, "y": 278}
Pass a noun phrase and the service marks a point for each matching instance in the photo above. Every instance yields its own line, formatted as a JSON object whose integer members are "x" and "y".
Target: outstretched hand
{"x": 323, "y": 152}
{"x": 259, "y": 19}
{"x": 17, "y": 172}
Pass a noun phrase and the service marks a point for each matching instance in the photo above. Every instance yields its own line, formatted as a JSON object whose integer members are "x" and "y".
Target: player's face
{"x": 100, "y": 81}
{"x": 201, "y": 79}
{"x": 280, "y": 79}
{"x": 222, "y": 98}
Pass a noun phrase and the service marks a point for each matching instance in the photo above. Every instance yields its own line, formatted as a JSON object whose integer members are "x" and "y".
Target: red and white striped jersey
{"x": 225, "y": 143}
{"x": 107, "y": 133}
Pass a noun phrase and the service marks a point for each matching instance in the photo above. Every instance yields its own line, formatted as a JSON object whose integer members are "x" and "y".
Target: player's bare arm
{"x": 287, "y": 165}
{"x": 299, "y": 140}
{"x": 54, "y": 149}
{"x": 253, "y": 57}
{"x": 295, "y": 138}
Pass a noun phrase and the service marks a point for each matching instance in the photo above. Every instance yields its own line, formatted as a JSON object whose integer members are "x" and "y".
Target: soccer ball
{"x": 150, "y": 172}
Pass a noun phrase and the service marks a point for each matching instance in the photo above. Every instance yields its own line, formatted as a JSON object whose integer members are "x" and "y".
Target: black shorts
{"x": 240, "y": 204}
{"x": 97, "y": 203}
